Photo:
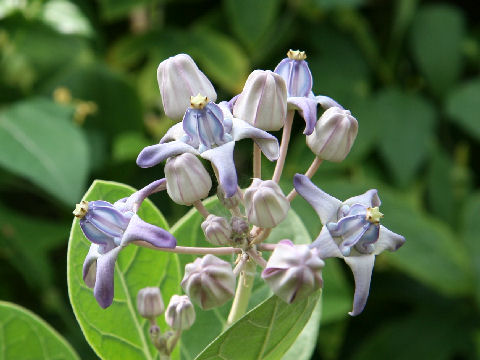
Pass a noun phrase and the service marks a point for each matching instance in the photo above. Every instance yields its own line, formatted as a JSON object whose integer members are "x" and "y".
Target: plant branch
{"x": 310, "y": 172}
{"x": 287, "y": 130}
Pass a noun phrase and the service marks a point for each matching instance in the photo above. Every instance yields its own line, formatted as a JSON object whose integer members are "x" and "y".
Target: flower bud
{"x": 209, "y": 281}
{"x": 334, "y": 134}
{"x": 180, "y": 314}
{"x": 217, "y": 230}
{"x": 296, "y": 73}
{"x": 230, "y": 202}
{"x": 178, "y": 79}
{"x": 265, "y": 203}
{"x": 187, "y": 179}
{"x": 240, "y": 231}
{"x": 263, "y": 101}
{"x": 150, "y": 303}
{"x": 293, "y": 271}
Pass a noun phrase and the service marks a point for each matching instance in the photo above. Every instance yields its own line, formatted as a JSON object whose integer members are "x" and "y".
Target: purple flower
{"x": 352, "y": 231}
{"x": 210, "y": 131}
{"x": 296, "y": 73}
{"x": 110, "y": 228}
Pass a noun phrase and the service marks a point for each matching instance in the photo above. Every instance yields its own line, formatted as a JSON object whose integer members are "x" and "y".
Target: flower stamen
{"x": 198, "y": 102}
{"x": 373, "y": 215}
{"x": 296, "y": 55}
{"x": 81, "y": 209}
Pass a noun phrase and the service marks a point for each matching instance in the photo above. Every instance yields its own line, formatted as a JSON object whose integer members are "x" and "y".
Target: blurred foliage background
{"x": 79, "y": 100}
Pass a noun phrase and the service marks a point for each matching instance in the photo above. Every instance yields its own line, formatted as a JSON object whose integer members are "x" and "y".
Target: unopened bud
{"x": 334, "y": 134}
{"x": 179, "y": 78}
{"x": 150, "y": 303}
{"x": 293, "y": 271}
{"x": 180, "y": 314}
{"x": 265, "y": 203}
{"x": 240, "y": 231}
{"x": 187, "y": 179}
{"x": 263, "y": 101}
{"x": 217, "y": 230}
{"x": 209, "y": 281}
{"x": 230, "y": 202}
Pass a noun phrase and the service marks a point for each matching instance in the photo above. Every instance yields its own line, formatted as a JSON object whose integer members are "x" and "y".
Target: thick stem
{"x": 257, "y": 161}
{"x": 310, "y": 172}
{"x": 240, "y": 265}
{"x": 287, "y": 129}
{"x": 242, "y": 295}
{"x": 192, "y": 250}
{"x": 201, "y": 208}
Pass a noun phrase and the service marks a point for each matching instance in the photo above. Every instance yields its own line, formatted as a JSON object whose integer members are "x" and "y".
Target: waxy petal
{"x": 297, "y": 76}
{"x": 222, "y": 158}
{"x": 388, "y": 240}
{"x": 141, "y": 230}
{"x": 106, "y": 219}
{"x": 135, "y": 200}
{"x": 325, "y": 205}
{"x": 308, "y": 110}
{"x": 94, "y": 235}
{"x": 90, "y": 266}
{"x": 176, "y": 132}
{"x": 326, "y": 102}
{"x": 326, "y": 245}
{"x": 368, "y": 199}
{"x": 103, "y": 290}
{"x": 362, "y": 267}
{"x": 267, "y": 142}
{"x": 155, "y": 154}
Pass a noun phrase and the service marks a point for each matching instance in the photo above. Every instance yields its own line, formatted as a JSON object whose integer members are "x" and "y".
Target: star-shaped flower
{"x": 210, "y": 131}
{"x": 352, "y": 231}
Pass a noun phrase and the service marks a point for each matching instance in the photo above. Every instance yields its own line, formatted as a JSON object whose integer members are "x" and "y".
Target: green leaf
{"x": 436, "y": 40}
{"x": 66, "y": 18}
{"x": 23, "y": 335}
{"x": 210, "y": 324}
{"x": 117, "y": 9}
{"x": 462, "y": 107}
{"x": 128, "y": 145}
{"x": 266, "y": 332}
{"x": 405, "y": 123}
{"x": 31, "y": 133}
{"x": 119, "y": 329}
{"x": 251, "y": 19}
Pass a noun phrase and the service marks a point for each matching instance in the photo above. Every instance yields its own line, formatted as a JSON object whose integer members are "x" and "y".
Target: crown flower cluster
{"x": 198, "y": 152}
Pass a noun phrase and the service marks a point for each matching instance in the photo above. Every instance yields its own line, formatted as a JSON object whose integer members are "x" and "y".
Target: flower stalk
{"x": 287, "y": 130}
{"x": 243, "y": 292}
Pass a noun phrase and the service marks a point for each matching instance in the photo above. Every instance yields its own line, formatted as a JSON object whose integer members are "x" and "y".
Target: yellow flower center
{"x": 374, "y": 215}
{"x": 296, "y": 54}
{"x": 198, "y": 102}
{"x": 81, "y": 209}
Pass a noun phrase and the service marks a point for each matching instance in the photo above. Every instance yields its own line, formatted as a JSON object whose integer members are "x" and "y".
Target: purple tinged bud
{"x": 293, "y": 271}
{"x": 265, "y": 203}
{"x": 296, "y": 73}
{"x": 209, "y": 281}
{"x": 180, "y": 313}
{"x": 178, "y": 79}
{"x": 231, "y": 202}
{"x": 263, "y": 101}
{"x": 150, "y": 303}
{"x": 187, "y": 179}
{"x": 334, "y": 134}
{"x": 217, "y": 230}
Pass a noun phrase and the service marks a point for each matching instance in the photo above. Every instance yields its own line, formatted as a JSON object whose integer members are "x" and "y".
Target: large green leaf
{"x": 40, "y": 142}
{"x": 210, "y": 324}
{"x": 436, "y": 40}
{"x": 471, "y": 229}
{"x": 405, "y": 123}
{"x": 119, "y": 331}
{"x": 462, "y": 107}
{"x": 266, "y": 332}
{"x": 24, "y": 336}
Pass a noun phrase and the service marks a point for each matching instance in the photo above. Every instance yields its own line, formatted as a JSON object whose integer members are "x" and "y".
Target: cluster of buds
{"x": 208, "y": 130}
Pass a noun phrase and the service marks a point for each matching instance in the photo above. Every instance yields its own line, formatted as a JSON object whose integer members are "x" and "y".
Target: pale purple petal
{"x": 297, "y": 76}
{"x": 90, "y": 266}
{"x": 155, "y": 154}
{"x": 94, "y": 235}
{"x": 362, "y": 267}
{"x": 388, "y": 240}
{"x": 368, "y": 199}
{"x": 141, "y": 230}
{"x": 307, "y": 109}
{"x": 103, "y": 290}
{"x": 325, "y": 205}
{"x": 267, "y": 142}
{"x": 327, "y": 102}
{"x": 135, "y": 200}
{"x": 326, "y": 245}
{"x": 222, "y": 158}
{"x": 174, "y": 133}
{"x": 107, "y": 219}
{"x": 190, "y": 122}
{"x": 210, "y": 125}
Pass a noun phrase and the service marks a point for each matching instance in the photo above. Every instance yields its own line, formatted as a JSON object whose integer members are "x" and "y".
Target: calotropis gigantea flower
{"x": 110, "y": 228}
{"x": 352, "y": 231}
{"x": 178, "y": 79}
{"x": 296, "y": 73}
{"x": 180, "y": 314}
{"x": 263, "y": 101}
{"x": 210, "y": 131}
{"x": 293, "y": 271}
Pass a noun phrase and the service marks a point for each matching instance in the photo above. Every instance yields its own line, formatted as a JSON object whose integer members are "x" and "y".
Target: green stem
{"x": 244, "y": 290}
